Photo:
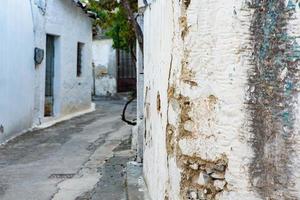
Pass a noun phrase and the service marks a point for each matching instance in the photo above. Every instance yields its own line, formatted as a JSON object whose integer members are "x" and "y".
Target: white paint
{"x": 215, "y": 50}
{"x": 22, "y": 100}
{"x": 293, "y": 30}
{"x": 16, "y": 67}
{"x": 139, "y": 130}
{"x": 52, "y": 122}
{"x": 71, "y": 25}
{"x": 105, "y": 67}
{"x": 158, "y": 36}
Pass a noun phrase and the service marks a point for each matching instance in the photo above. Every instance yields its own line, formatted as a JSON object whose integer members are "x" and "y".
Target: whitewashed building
{"x": 104, "y": 67}
{"x": 45, "y": 63}
{"x": 114, "y": 70}
{"x": 222, "y": 99}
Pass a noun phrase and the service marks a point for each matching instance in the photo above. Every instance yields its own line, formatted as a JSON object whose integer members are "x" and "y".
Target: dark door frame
{"x": 49, "y": 77}
{"x": 126, "y": 72}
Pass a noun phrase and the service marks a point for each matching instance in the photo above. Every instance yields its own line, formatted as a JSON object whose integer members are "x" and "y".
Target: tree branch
{"x": 133, "y": 54}
{"x": 137, "y": 29}
{"x": 124, "y": 111}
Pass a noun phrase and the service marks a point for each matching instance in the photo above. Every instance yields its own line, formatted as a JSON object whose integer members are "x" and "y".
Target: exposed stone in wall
{"x": 231, "y": 99}
{"x": 171, "y": 140}
{"x": 200, "y": 178}
{"x": 158, "y": 102}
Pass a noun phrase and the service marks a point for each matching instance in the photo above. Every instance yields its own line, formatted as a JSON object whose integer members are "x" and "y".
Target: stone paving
{"x": 83, "y": 158}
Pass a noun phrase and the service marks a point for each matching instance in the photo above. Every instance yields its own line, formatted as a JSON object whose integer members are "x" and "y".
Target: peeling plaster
{"x": 202, "y": 179}
{"x": 191, "y": 167}
{"x": 158, "y": 102}
{"x": 225, "y": 74}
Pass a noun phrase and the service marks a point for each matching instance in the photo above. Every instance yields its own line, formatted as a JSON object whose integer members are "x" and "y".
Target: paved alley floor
{"x": 80, "y": 159}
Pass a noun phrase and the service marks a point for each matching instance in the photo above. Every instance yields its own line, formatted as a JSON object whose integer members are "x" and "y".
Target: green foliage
{"x": 113, "y": 19}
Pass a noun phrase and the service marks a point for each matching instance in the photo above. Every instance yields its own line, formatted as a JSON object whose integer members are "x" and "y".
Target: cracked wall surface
{"x": 221, "y": 102}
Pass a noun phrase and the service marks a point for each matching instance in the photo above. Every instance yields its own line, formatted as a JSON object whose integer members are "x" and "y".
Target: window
{"x": 79, "y": 58}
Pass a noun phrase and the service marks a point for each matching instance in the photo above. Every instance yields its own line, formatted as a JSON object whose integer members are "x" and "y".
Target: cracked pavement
{"x": 82, "y": 158}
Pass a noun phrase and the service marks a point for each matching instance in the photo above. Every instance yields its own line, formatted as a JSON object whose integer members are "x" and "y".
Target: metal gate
{"x": 126, "y": 72}
{"x": 49, "y": 98}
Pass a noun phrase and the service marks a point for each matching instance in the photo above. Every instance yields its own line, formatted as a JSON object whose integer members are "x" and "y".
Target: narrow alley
{"x": 83, "y": 158}
{"x": 150, "y": 99}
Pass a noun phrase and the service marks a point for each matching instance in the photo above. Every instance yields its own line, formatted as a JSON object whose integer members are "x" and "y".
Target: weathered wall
{"x": 16, "y": 67}
{"x": 105, "y": 67}
{"x": 221, "y": 99}
{"x": 71, "y": 25}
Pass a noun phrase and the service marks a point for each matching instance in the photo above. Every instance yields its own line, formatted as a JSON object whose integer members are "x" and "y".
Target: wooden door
{"x": 126, "y": 72}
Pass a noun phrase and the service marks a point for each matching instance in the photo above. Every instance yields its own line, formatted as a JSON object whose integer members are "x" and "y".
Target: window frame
{"x": 79, "y": 58}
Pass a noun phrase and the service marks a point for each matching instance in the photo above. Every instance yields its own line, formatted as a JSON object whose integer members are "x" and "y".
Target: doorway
{"x": 49, "y": 80}
{"x": 126, "y": 80}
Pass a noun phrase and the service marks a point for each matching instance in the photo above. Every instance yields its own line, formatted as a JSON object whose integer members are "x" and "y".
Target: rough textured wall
{"x": 221, "y": 99}
{"x": 105, "y": 67}
{"x": 16, "y": 68}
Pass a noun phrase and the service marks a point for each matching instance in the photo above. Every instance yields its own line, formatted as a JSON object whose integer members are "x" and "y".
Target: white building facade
{"x": 114, "y": 70}
{"x": 222, "y": 99}
{"x": 105, "y": 67}
{"x": 39, "y": 92}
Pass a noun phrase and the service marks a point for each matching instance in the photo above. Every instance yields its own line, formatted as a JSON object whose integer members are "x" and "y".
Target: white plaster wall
{"x": 39, "y": 23}
{"x": 16, "y": 67}
{"x": 105, "y": 67}
{"x": 196, "y": 73}
{"x": 158, "y": 36}
{"x": 23, "y": 83}
{"x": 70, "y": 25}
{"x": 139, "y": 129}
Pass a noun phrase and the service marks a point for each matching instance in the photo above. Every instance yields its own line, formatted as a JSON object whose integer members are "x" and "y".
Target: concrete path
{"x": 83, "y": 158}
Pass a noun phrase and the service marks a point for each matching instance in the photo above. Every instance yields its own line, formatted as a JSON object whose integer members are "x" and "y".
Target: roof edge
{"x": 85, "y": 9}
